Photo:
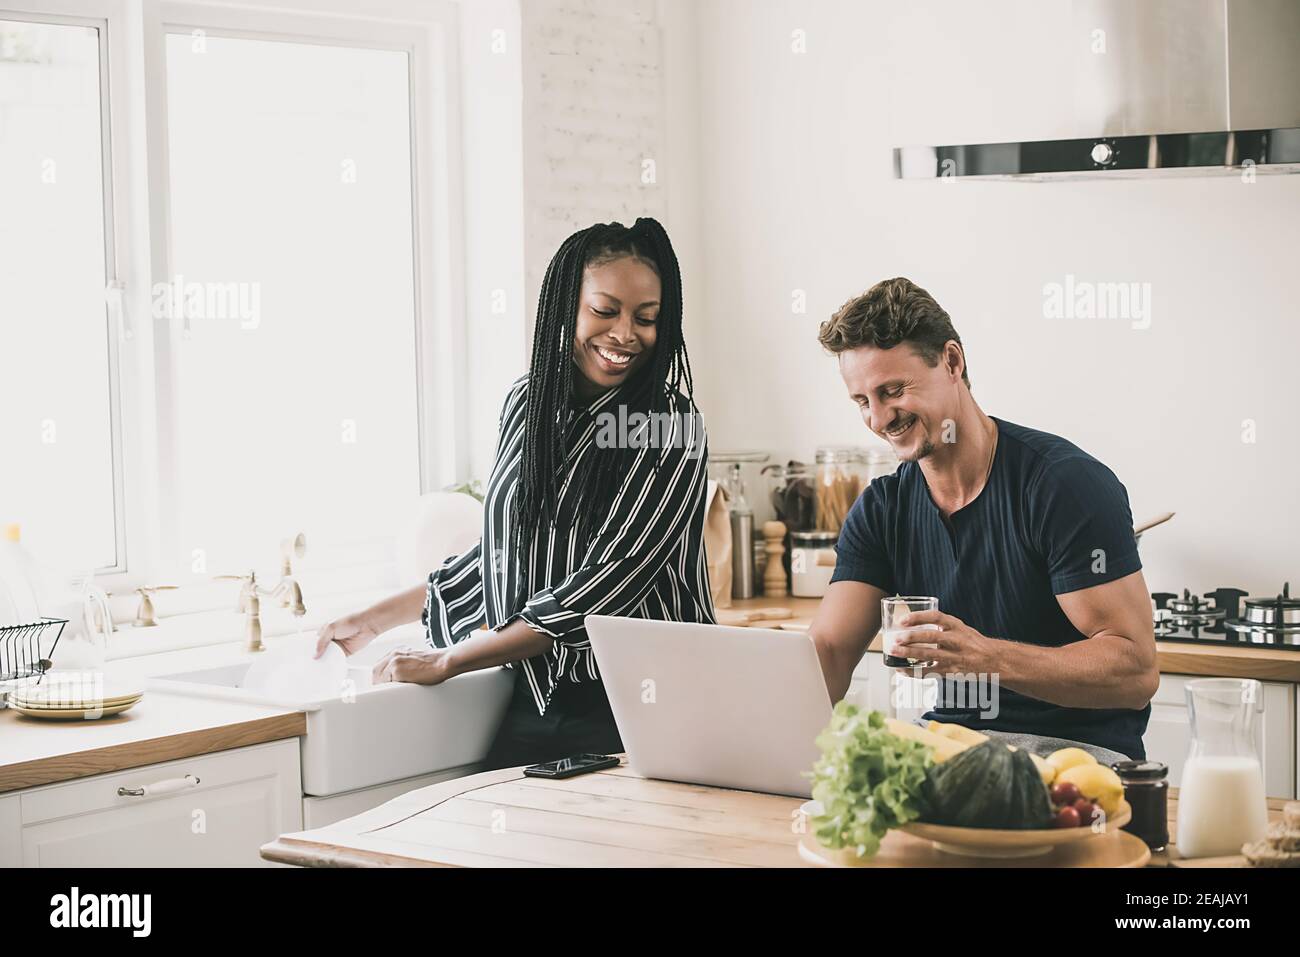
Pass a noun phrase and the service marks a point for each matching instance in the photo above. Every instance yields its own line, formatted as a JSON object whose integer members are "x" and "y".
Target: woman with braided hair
{"x": 595, "y": 504}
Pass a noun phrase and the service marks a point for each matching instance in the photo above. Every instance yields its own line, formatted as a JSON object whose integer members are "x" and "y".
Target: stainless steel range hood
{"x": 1172, "y": 87}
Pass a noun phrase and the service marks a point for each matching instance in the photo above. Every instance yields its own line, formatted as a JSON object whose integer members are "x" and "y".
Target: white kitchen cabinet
{"x": 244, "y": 798}
{"x": 869, "y": 688}
{"x": 11, "y": 826}
{"x": 1169, "y": 732}
{"x": 859, "y": 693}
{"x": 908, "y": 697}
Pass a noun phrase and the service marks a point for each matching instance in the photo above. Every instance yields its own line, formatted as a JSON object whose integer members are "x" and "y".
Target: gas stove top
{"x": 1226, "y": 616}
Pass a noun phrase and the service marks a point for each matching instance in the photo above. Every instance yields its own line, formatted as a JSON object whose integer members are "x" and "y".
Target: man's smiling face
{"x": 903, "y": 399}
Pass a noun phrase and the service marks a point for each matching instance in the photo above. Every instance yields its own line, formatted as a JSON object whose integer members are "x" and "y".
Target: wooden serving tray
{"x": 898, "y": 849}
{"x": 995, "y": 842}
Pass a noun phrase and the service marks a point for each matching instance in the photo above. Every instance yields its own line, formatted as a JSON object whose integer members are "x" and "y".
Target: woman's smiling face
{"x": 618, "y": 309}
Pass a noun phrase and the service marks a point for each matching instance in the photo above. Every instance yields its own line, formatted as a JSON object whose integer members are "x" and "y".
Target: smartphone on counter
{"x": 568, "y": 767}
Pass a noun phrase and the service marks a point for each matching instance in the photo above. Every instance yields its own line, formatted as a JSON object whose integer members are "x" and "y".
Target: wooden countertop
{"x": 162, "y": 727}
{"x": 1172, "y": 657}
{"x": 611, "y": 818}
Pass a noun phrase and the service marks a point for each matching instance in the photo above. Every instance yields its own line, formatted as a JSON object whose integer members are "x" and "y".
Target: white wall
{"x": 496, "y": 307}
{"x": 594, "y": 118}
{"x": 679, "y": 166}
{"x": 564, "y": 103}
{"x": 796, "y": 193}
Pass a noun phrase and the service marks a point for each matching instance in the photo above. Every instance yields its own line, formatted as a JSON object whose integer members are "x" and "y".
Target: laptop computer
{"x": 709, "y": 704}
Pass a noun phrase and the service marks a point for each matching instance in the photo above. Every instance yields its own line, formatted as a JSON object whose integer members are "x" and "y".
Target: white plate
{"x": 67, "y": 714}
{"x": 77, "y": 705}
{"x": 290, "y": 673}
{"x": 64, "y": 690}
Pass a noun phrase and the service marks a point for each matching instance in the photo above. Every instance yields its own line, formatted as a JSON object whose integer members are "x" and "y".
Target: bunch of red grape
{"x": 1071, "y": 808}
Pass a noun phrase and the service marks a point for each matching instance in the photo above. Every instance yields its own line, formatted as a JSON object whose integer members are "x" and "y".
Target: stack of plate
{"x": 65, "y": 701}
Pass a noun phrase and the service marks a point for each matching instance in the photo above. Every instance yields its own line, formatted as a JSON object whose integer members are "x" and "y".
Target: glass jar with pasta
{"x": 877, "y": 462}
{"x": 840, "y": 477}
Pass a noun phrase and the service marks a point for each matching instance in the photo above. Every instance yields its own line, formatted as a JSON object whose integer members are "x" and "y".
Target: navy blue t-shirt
{"x": 1051, "y": 519}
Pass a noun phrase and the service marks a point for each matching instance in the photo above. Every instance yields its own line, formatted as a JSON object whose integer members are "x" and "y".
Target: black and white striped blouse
{"x": 645, "y": 561}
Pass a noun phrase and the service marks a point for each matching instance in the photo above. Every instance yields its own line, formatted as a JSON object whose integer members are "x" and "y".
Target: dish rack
{"x": 21, "y": 647}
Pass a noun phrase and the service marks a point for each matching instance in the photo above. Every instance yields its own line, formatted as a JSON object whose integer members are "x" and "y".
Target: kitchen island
{"x": 609, "y": 818}
{"x": 615, "y": 818}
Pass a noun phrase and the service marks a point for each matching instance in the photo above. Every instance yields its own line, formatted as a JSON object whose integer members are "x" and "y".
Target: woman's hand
{"x": 429, "y": 667}
{"x": 352, "y": 632}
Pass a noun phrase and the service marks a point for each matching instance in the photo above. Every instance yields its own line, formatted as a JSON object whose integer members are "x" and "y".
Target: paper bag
{"x": 717, "y": 544}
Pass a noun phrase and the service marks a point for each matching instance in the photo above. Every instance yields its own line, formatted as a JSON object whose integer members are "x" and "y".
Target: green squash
{"x": 1031, "y": 798}
{"x": 990, "y": 786}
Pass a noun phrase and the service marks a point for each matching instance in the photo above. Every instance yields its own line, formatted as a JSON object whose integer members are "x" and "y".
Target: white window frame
{"x": 108, "y": 17}
{"x": 137, "y": 230}
{"x": 427, "y": 31}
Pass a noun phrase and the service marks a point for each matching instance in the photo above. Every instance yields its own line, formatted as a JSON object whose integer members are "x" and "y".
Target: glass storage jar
{"x": 1146, "y": 789}
{"x": 812, "y": 562}
{"x": 877, "y": 462}
{"x": 792, "y": 492}
{"x": 841, "y": 475}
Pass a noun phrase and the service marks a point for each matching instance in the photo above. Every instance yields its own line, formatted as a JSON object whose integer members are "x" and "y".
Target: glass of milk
{"x": 892, "y": 611}
{"x": 1221, "y": 802}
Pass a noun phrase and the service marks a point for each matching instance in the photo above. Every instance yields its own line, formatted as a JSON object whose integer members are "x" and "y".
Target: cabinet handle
{"x": 166, "y": 786}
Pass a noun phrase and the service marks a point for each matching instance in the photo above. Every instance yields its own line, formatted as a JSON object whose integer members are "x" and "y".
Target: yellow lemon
{"x": 1097, "y": 783}
{"x": 1068, "y": 758}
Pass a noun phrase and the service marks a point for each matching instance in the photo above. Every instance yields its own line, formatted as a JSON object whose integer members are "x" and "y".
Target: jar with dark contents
{"x": 793, "y": 489}
{"x": 1147, "y": 792}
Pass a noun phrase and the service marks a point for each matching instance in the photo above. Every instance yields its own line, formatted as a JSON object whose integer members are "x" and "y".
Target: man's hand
{"x": 960, "y": 648}
{"x": 429, "y": 667}
{"x": 1114, "y": 667}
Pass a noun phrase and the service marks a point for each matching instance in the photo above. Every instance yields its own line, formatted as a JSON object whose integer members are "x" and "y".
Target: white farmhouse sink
{"x": 376, "y": 733}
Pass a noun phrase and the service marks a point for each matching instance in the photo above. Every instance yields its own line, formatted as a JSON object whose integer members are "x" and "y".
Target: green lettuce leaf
{"x": 867, "y": 780}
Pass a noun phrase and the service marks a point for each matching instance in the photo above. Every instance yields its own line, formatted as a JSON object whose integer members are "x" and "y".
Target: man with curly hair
{"x": 1026, "y": 540}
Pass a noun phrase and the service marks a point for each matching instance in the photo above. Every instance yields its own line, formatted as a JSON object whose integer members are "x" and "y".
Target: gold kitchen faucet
{"x": 287, "y": 592}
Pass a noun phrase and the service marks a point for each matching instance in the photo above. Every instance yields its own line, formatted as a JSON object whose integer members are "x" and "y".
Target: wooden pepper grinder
{"x": 775, "y": 584}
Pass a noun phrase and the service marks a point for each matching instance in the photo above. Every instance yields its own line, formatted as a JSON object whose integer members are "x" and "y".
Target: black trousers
{"x": 577, "y": 721}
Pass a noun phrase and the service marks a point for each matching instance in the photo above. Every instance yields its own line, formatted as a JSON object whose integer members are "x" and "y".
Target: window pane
{"x": 292, "y": 249}
{"x": 55, "y": 417}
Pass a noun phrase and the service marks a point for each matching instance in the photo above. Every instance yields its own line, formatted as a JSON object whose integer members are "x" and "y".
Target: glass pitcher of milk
{"x": 1221, "y": 802}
